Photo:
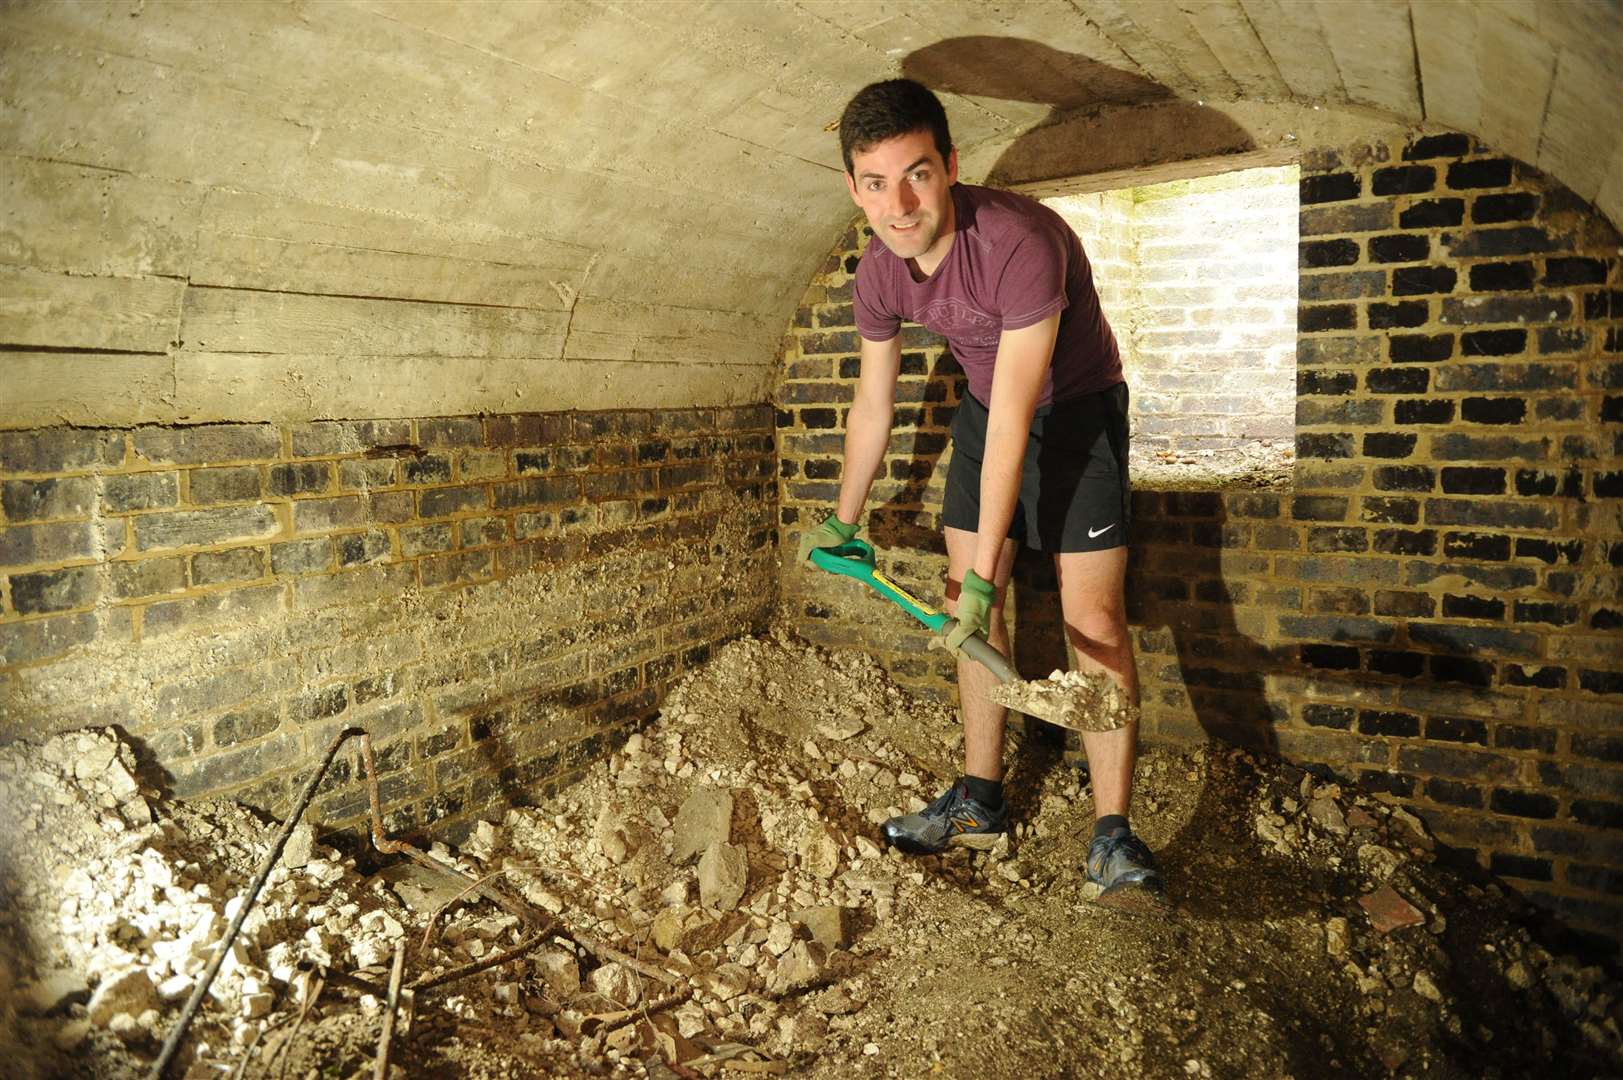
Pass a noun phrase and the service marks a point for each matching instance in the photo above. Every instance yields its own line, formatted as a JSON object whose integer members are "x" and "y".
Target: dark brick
{"x": 1322, "y": 540}
{"x": 1602, "y": 815}
{"x": 1316, "y": 318}
{"x": 1606, "y": 619}
{"x": 1489, "y": 243}
{"x": 54, "y": 590}
{"x": 1329, "y": 657}
{"x": 302, "y": 557}
{"x": 40, "y": 500}
{"x": 1385, "y": 722}
{"x": 184, "y": 528}
{"x": 1404, "y": 478}
{"x": 1403, "y": 180}
{"x": 1404, "y": 604}
{"x": 1495, "y": 308}
{"x": 1527, "y": 611}
{"x": 1324, "y": 446}
{"x": 1454, "y": 447}
{"x": 1345, "y": 285}
{"x": 1460, "y": 670}
{"x": 1495, "y": 209}
{"x": 1502, "y": 277}
{"x": 1331, "y": 187}
{"x": 1398, "y": 247}
{"x": 1516, "y": 737}
{"x": 1421, "y": 348}
{"x": 1321, "y": 253}
{"x": 1472, "y": 607}
{"x": 41, "y": 639}
{"x": 1389, "y": 511}
{"x": 1397, "y": 380}
{"x": 1461, "y": 480}
{"x": 1599, "y": 747}
{"x": 1405, "y": 542}
{"x": 1574, "y": 271}
{"x": 140, "y": 491}
{"x": 1608, "y": 485}
{"x": 1537, "y": 482}
{"x": 1448, "y": 145}
{"x": 1454, "y": 793}
{"x": 1329, "y": 383}
{"x": 57, "y": 450}
{"x": 359, "y": 548}
{"x": 1526, "y": 867}
{"x": 1456, "y": 729}
{"x": 1404, "y": 665}
{"x": 450, "y": 431}
{"x": 220, "y": 567}
{"x": 299, "y": 478}
{"x": 1387, "y": 781}
{"x": 1422, "y": 410}
{"x": 246, "y": 724}
{"x": 1319, "y": 507}
{"x": 1479, "y": 174}
{"x": 207, "y": 444}
{"x": 1601, "y": 879}
{"x": 1561, "y": 340}
{"x": 1529, "y": 804}
{"x": 236, "y": 484}
{"x": 1387, "y": 444}
{"x": 1410, "y": 313}
{"x": 835, "y": 341}
{"x": 1433, "y": 213}
{"x": 1339, "y": 220}
{"x": 428, "y": 469}
{"x": 820, "y": 418}
{"x": 1418, "y": 280}
{"x": 1339, "y": 717}
{"x": 149, "y": 577}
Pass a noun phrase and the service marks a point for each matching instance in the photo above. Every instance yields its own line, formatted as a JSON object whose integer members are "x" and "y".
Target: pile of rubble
{"x": 713, "y": 901}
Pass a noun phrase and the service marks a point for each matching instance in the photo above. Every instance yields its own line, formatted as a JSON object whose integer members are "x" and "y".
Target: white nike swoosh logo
{"x": 1100, "y": 532}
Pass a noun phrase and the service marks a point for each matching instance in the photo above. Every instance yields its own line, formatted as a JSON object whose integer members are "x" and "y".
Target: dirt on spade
{"x": 730, "y": 852}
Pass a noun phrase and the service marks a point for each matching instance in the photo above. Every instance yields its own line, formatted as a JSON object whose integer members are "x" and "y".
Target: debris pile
{"x": 711, "y": 901}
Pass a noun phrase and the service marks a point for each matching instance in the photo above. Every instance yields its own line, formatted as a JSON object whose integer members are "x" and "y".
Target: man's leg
{"x": 983, "y": 721}
{"x": 1092, "y": 590}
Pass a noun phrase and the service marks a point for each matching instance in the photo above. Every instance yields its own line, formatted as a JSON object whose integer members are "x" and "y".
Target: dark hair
{"x": 884, "y": 110}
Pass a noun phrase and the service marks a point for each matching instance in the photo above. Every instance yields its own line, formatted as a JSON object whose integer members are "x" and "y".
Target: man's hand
{"x": 974, "y": 612}
{"x": 831, "y": 533}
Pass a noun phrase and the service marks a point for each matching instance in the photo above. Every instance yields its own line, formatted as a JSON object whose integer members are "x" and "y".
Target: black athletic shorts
{"x": 1073, "y": 483}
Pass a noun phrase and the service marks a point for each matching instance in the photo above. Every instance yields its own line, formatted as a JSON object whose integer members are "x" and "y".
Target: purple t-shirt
{"x": 1013, "y": 262}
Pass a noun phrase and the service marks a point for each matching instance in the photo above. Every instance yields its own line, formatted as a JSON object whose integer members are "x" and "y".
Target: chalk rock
{"x": 723, "y": 874}
{"x": 705, "y": 818}
{"x": 819, "y": 853}
{"x": 827, "y": 924}
{"x": 779, "y": 938}
{"x": 798, "y": 967}
{"x": 1379, "y": 862}
{"x": 130, "y": 991}
{"x": 666, "y": 929}
{"x": 612, "y": 836}
{"x": 616, "y": 982}
{"x": 560, "y": 971}
{"x": 1427, "y": 989}
{"x": 301, "y": 846}
{"x": 1335, "y": 936}
{"x": 1328, "y": 815}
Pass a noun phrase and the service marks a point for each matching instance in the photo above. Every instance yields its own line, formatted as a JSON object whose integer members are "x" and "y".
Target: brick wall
{"x": 1213, "y": 356}
{"x": 1433, "y": 606}
{"x": 497, "y": 599}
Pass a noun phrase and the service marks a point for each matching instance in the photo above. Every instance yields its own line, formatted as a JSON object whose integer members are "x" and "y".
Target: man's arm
{"x": 1023, "y": 358}
{"x": 867, "y": 428}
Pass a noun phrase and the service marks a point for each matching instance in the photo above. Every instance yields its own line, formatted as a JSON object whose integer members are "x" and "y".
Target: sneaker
{"x": 953, "y": 820}
{"x": 1124, "y": 869}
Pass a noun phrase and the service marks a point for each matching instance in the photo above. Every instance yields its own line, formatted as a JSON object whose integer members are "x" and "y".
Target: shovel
{"x": 1056, "y": 701}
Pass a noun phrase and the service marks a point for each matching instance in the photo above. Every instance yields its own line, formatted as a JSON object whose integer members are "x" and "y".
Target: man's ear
{"x": 952, "y": 166}
{"x": 851, "y": 187}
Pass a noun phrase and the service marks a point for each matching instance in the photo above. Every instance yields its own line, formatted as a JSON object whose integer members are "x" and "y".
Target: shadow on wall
{"x": 1077, "y": 89}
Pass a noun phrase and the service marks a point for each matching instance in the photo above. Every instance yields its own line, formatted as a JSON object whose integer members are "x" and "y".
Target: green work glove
{"x": 831, "y": 533}
{"x": 974, "y": 612}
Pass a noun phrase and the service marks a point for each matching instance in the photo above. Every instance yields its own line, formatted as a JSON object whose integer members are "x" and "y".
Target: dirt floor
{"x": 722, "y": 908}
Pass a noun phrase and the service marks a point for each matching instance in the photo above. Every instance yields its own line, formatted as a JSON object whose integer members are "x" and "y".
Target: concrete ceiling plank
{"x": 237, "y": 320}
{"x": 81, "y": 220}
{"x": 1610, "y": 199}
{"x": 1451, "y": 74}
{"x": 86, "y": 388}
{"x": 1583, "y": 125}
{"x": 1516, "y": 68}
{"x": 1374, "y": 50}
{"x": 1225, "y": 27}
{"x": 1171, "y": 28}
{"x": 136, "y": 314}
{"x": 1118, "y": 22}
{"x": 1295, "y": 40}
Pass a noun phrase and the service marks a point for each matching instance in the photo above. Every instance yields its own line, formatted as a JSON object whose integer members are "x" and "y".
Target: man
{"x": 1039, "y": 442}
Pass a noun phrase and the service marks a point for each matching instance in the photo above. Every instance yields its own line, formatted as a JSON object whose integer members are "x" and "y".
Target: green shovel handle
{"x": 855, "y": 559}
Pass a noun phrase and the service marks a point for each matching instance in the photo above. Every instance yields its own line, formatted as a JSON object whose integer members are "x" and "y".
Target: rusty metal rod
{"x": 172, "y": 1044}
{"x": 428, "y": 982}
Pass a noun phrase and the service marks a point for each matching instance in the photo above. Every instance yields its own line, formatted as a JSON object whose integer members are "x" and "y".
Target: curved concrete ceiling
{"x": 653, "y": 183}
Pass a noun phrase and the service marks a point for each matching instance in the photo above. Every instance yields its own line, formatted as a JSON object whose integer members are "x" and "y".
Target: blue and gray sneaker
{"x": 1124, "y": 869}
{"x": 953, "y": 820}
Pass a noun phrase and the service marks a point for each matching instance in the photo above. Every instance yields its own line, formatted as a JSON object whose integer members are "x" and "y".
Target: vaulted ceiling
{"x": 650, "y": 184}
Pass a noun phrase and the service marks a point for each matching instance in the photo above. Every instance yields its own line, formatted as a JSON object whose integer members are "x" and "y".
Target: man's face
{"x": 905, "y": 189}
